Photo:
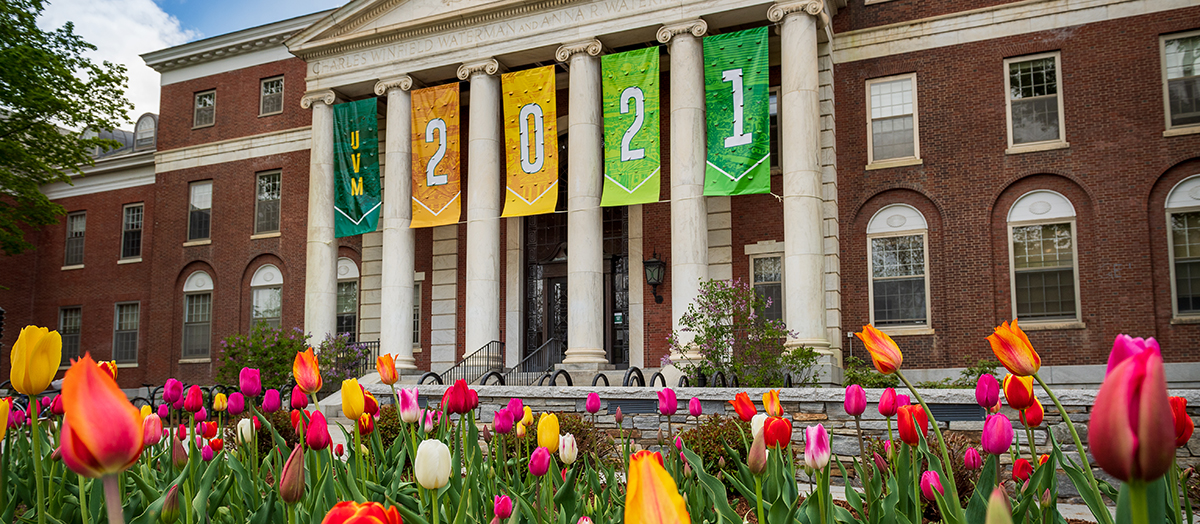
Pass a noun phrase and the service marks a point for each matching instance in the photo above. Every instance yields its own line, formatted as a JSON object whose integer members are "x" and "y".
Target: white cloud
{"x": 122, "y": 30}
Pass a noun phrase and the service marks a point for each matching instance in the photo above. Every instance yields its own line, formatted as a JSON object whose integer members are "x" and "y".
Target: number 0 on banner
{"x": 530, "y": 142}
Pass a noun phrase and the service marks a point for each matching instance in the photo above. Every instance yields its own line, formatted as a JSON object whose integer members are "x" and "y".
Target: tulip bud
{"x": 179, "y": 456}
{"x": 428, "y": 423}
{"x": 987, "y": 391}
{"x": 618, "y": 417}
{"x": 880, "y": 463}
{"x": 195, "y": 399}
{"x": 568, "y": 449}
{"x": 152, "y": 430}
{"x": 257, "y": 424}
{"x": 929, "y": 482}
{"x": 756, "y": 460}
{"x": 687, "y": 470}
{"x": 172, "y": 391}
{"x": 486, "y": 434}
{"x": 339, "y": 450}
{"x": 592, "y": 405}
{"x": 291, "y": 481}
{"x": 317, "y": 436}
{"x": 1131, "y": 431}
{"x": 887, "y": 403}
{"x": 56, "y": 405}
{"x": 57, "y": 455}
{"x": 1046, "y": 499}
{"x": 409, "y": 410}
{"x": 502, "y": 507}
{"x": 721, "y": 463}
{"x": 539, "y": 461}
{"x": 585, "y": 520}
{"x": 972, "y": 460}
{"x": 170, "y": 506}
{"x": 856, "y": 400}
{"x": 502, "y": 421}
{"x": 299, "y": 399}
{"x": 182, "y": 432}
{"x": 164, "y": 411}
{"x": 694, "y": 407}
{"x": 271, "y": 401}
{"x": 353, "y": 402}
{"x": 432, "y": 465}
{"x": 249, "y": 382}
{"x": 220, "y": 402}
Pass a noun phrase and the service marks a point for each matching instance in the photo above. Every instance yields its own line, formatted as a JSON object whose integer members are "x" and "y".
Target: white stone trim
{"x": 141, "y": 174}
{"x": 267, "y": 275}
{"x": 1041, "y": 205}
{"x": 763, "y": 247}
{"x": 1185, "y": 194}
{"x": 346, "y": 269}
{"x": 198, "y": 282}
{"x": 897, "y": 218}
{"x": 233, "y": 150}
{"x": 239, "y": 44}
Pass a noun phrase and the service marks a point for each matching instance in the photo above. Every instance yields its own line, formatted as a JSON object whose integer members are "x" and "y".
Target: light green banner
{"x": 736, "y": 85}
{"x": 631, "y": 137}
{"x": 356, "y": 197}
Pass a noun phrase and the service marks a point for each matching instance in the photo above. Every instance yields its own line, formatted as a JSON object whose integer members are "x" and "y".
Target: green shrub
{"x": 709, "y": 437}
{"x": 269, "y": 349}
{"x": 863, "y": 373}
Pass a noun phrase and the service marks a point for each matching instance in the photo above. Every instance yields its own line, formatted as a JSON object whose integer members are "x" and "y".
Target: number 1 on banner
{"x": 739, "y": 138}
{"x": 431, "y": 178}
{"x": 639, "y": 98}
{"x": 539, "y": 130}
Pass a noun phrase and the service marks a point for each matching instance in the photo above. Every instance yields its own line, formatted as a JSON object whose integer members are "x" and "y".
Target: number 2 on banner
{"x": 639, "y": 98}
{"x": 431, "y": 178}
{"x": 539, "y": 131}
{"x": 739, "y": 138}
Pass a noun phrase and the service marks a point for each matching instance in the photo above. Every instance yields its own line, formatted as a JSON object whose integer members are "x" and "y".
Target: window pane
{"x": 198, "y": 308}
{"x": 1185, "y": 235}
{"x": 76, "y": 227}
{"x": 131, "y": 235}
{"x": 768, "y": 269}
{"x": 1184, "y": 96}
{"x": 197, "y": 318}
{"x": 1032, "y": 78}
{"x": 892, "y": 138}
{"x": 1042, "y": 246}
{"x": 1035, "y": 120}
{"x": 272, "y": 96}
{"x": 126, "y": 334}
{"x": 267, "y": 304}
{"x": 346, "y": 324}
{"x": 1183, "y": 57}
{"x": 347, "y": 296}
{"x": 200, "y": 210}
{"x": 899, "y": 301}
{"x": 267, "y": 207}
{"x": 892, "y": 98}
{"x": 416, "y": 314}
{"x": 70, "y": 324}
{"x": 206, "y": 106}
{"x": 1187, "y": 286}
{"x": 1046, "y": 294}
{"x": 773, "y": 293}
{"x": 898, "y": 256}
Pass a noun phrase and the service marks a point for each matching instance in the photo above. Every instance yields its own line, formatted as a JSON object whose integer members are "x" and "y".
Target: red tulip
{"x": 217, "y": 444}
{"x": 339, "y": 450}
{"x": 1131, "y": 431}
{"x": 744, "y": 406}
{"x": 299, "y": 398}
{"x": 370, "y": 404}
{"x": 102, "y": 432}
{"x": 1183, "y": 423}
{"x": 1021, "y": 470}
{"x": 350, "y": 512}
{"x": 910, "y": 418}
{"x": 317, "y": 436}
{"x": 459, "y": 398}
{"x": 1032, "y": 416}
{"x": 366, "y": 424}
{"x": 778, "y": 432}
{"x": 887, "y": 403}
{"x": 1018, "y": 391}
{"x": 194, "y": 401}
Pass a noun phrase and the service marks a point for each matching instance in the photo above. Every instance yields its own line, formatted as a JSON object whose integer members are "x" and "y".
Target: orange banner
{"x": 530, "y": 142}
{"x": 436, "y": 183}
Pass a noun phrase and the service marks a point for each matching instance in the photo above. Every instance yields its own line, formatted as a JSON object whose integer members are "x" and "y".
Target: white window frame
{"x": 1034, "y": 324}
{"x": 1179, "y": 200}
{"x": 267, "y": 276}
{"x": 923, "y": 230}
{"x": 199, "y": 282}
{"x": 121, "y": 258}
{"x": 418, "y": 293}
{"x": 769, "y": 249}
{"x": 262, "y": 96}
{"x": 116, "y": 328}
{"x": 279, "y": 210}
{"x": 1170, "y": 130}
{"x": 1061, "y": 141}
{"x": 196, "y": 108}
{"x": 901, "y": 161}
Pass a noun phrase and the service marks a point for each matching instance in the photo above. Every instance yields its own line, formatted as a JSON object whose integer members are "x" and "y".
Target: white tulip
{"x": 568, "y": 450}
{"x": 245, "y": 431}
{"x": 756, "y": 424}
{"x": 432, "y": 467}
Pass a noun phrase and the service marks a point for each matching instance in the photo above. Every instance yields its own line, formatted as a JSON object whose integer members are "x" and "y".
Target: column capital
{"x": 776, "y": 12}
{"x": 696, "y": 27}
{"x": 590, "y": 46}
{"x": 403, "y": 82}
{"x": 487, "y": 66}
{"x": 322, "y": 95}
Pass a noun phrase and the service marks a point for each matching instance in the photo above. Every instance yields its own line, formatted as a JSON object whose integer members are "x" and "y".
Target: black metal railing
{"x": 488, "y": 358}
{"x": 541, "y": 361}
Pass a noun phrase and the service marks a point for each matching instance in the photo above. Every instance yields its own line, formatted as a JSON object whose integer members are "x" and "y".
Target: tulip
{"x": 539, "y": 461}
{"x": 1032, "y": 416}
{"x": 432, "y": 466}
{"x": 771, "y": 403}
{"x": 929, "y": 482}
{"x": 182, "y": 432}
{"x": 1021, "y": 470}
{"x": 17, "y": 418}
{"x": 1044, "y": 458}
{"x": 887, "y": 403}
{"x": 757, "y": 423}
{"x": 386, "y": 366}
{"x": 667, "y": 405}
{"x": 297, "y": 417}
{"x": 547, "y": 432}
{"x": 694, "y": 407}
{"x": 998, "y": 511}
{"x": 486, "y": 434}
{"x": 987, "y": 391}
{"x": 56, "y": 406}
{"x": 352, "y": 399}
{"x": 217, "y": 444}
{"x": 777, "y": 432}
{"x": 164, "y": 411}
{"x": 370, "y": 404}
{"x": 257, "y": 424}
{"x": 194, "y": 401}
{"x": 816, "y": 447}
{"x": 172, "y": 391}
{"x": 679, "y": 443}
{"x": 902, "y": 400}
{"x": 220, "y": 402}
{"x": 428, "y": 422}
{"x": 170, "y": 507}
{"x": 299, "y": 399}
{"x": 236, "y": 404}
{"x": 618, "y": 418}
{"x": 502, "y": 421}
{"x": 101, "y": 431}
{"x": 520, "y": 430}
{"x": 5, "y": 409}
{"x": 856, "y": 400}
{"x": 145, "y": 410}
{"x": 206, "y": 453}
{"x": 108, "y": 366}
{"x": 366, "y": 424}
{"x": 250, "y": 382}
{"x": 517, "y": 408}
{"x": 586, "y": 520}
{"x": 350, "y": 512}
{"x": 179, "y": 457}
{"x": 35, "y": 359}
{"x": 997, "y": 434}
{"x": 307, "y": 371}
{"x": 459, "y": 398}
{"x": 317, "y": 436}
{"x": 744, "y": 407}
{"x": 209, "y": 429}
{"x": 201, "y": 415}
{"x": 527, "y": 418}
{"x": 880, "y": 463}
{"x": 911, "y": 419}
{"x": 1131, "y": 432}
{"x": 1018, "y": 391}
{"x": 409, "y": 410}
{"x": 178, "y": 404}
{"x": 1125, "y": 346}
{"x": 1012, "y": 348}
{"x": 339, "y": 450}
{"x": 245, "y": 431}
{"x": 502, "y": 507}
{"x": 651, "y": 496}
{"x": 884, "y": 352}
{"x": 592, "y": 405}
{"x": 568, "y": 449}
{"x": 291, "y": 481}
{"x": 271, "y": 401}
{"x": 972, "y": 460}
{"x": 152, "y": 430}
{"x": 1183, "y": 423}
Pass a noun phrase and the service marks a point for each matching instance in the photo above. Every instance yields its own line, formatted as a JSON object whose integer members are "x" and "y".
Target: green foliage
{"x": 967, "y": 377}
{"x": 591, "y": 440}
{"x": 269, "y": 349}
{"x": 51, "y": 93}
{"x": 340, "y": 359}
{"x": 731, "y": 336}
{"x": 858, "y": 371}
{"x": 709, "y": 437}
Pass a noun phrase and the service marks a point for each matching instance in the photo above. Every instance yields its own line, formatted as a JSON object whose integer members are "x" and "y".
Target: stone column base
{"x": 828, "y": 368}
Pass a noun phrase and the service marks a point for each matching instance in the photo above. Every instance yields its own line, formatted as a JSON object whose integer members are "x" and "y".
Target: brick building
{"x": 938, "y": 167}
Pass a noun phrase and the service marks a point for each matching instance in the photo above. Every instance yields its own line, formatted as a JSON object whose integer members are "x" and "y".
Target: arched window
{"x": 1183, "y": 220}
{"x": 898, "y": 262}
{"x": 347, "y": 298}
{"x": 197, "y": 315}
{"x": 1043, "y": 259}
{"x": 266, "y": 287}
{"x": 146, "y": 132}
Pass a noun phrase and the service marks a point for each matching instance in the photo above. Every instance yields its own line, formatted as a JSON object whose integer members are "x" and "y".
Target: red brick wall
{"x": 1116, "y": 173}
{"x": 858, "y": 15}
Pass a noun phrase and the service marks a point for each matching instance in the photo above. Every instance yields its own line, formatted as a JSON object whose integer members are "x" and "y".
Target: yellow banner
{"x": 436, "y": 181}
{"x": 530, "y": 142}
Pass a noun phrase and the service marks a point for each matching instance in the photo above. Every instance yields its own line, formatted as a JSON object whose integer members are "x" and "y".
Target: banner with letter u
{"x": 530, "y": 142}
{"x": 356, "y": 197}
{"x": 736, "y": 98}
{"x": 631, "y": 128}
{"x": 436, "y": 163}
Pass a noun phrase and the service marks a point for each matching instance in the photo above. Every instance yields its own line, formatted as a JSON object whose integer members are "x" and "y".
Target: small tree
{"x": 269, "y": 349}
{"x": 732, "y": 336}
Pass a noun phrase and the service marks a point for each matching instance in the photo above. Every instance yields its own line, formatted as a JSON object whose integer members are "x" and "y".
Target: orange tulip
{"x": 771, "y": 403}
{"x": 350, "y": 512}
{"x": 1013, "y": 349}
{"x": 743, "y": 406}
{"x": 651, "y": 496}
{"x": 884, "y": 352}
{"x": 307, "y": 372}
{"x": 102, "y": 431}
{"x": 386, "y": 366}
{"x": 1018, "y": 391}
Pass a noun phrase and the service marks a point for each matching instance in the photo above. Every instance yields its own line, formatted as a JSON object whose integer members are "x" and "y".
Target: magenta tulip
{"x": 1132, "y": 432}
{"x": 164, "y": 411}
{"x": 972, "y": 460}
{"x": 987, "y": 391}
{"x": 593, "y": 403}
{"x": 929, "y": 482}
{"x": 317, "y": 436}
{"x": 887, "y": 403}
{"x": 250, "y": 382}
{"x": 667, "y": 404}
{"x": 539, "y": 462}
{"x": 271, "y": 401}
{"x": 502, "y": 421}
{"x": 299, "y": 398}
{"x": 206, "y": 453}
{"x": 516, "y": 408}
{"x": 997, "y": 434}
{"x": 502, "y": 507}
{"x": 172, "y": 391}
{"x": 856, "y": 400}
{"x": 194, "y": 401}
{"x": 201, "y": 415}
{"x": 694, "y": 407}
{"x": 237, "y": 403}
{"x": 902, "y": 400}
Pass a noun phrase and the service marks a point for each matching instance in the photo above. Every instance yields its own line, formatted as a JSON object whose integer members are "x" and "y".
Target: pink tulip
{"x": 997, "y": 434}
{"x": 236, "y": 403}
{"x": 972, "y": 460}
{"x": 250, "y": 382}
{"x": 502, "y": 421}
{"x": 428, "y": 422}
{"x": 56, "y": 405}
{"x": 929, "y": 482}
{"x": 271, "y": 401}
{"x": 201, "y": 415}
{"x": 317, "y": 436}
{"x": 410, "y": 411}
{"x": 152, "y": 430}
{"x": 539, "y": 462}
{"x": 694, "y": 407}
{"x": 902, "y": 400}
{"x": 516, "y": 408}
{"x": 299, "y": 398}
{"x": 1132, "y": 432}
{"x": 172, "y": 391}
{"x": 816, "y": 447}
{"x": 987, "y": 391}
{"x": 887, "y": 403}
{"x": 502, "y": 506}
{"x": 194, "y": 401}
{"x": 164, "y": 411}
{"x": 206, "y": 453}
{"x": 667, "y": 404}
{"x": 593, "y": 403}
{"x": 856, "y": 400}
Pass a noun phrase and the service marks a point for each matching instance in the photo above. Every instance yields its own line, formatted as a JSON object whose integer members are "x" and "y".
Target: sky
{"x": 122, "y": 30}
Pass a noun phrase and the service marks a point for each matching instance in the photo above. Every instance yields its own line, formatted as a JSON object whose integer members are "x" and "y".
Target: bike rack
{"x": 630, "y": 374}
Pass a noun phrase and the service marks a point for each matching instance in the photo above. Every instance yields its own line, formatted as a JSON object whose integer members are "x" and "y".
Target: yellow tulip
{"x": 35, "y": 359}
{"x": 547, "y": 432}
{"x": 353, "y": 402}
{"x": 651, "y": 496}
{"x": 528, "y": 418}
{"x": 146, "y": 410}
{"x": 5, "y": 407}
{"x": 771, "y": 403}
{"x": 521, "y": 430}
{"x": 220, "y": 402}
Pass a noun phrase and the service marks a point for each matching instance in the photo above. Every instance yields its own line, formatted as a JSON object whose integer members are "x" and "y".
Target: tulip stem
{"x": 862, "y": 457}
{"x": 758, "y": 497}
{"x": 83, "y": 512}
{"x": 112, "y": 499}
{"x": 1174, "y": 486}
{"x": 1139, "y": 512}
{"x": 1104, "y": 517}
{"x": 947, "y": 466}
{"x": 36, "y": 433}
{"x": 1032, "y": 445}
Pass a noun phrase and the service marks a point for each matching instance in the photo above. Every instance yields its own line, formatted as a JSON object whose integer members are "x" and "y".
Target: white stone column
{"x": 485, "y": 142}
{"x": 585, "y": 227}
{"x": 689, "y": 212}
{"x": 399, "y": 240}
{"x": 320, "y": 276}
{"x": 804, "y": 253}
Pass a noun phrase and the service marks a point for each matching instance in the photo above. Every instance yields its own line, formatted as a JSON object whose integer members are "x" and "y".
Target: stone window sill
{"x": 1181, "y": 131}
{"x": 1033, "y": 148}
{"x": 895, "y": 162}
{"x": 127, "y": 365}
{"x": 129, "y": 260}
{"x": 203, "y": 242}
{"x": 1185, "y": 320}
{"x": 195, "y": 360}
{"x": 906, "y": 331}
{"x": 259, "y": 236}
{"x": 74, "y": 267}
{"x": 1050, "y": 326}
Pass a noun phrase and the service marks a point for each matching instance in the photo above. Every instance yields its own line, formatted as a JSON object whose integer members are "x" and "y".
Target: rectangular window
{"x": 1034, "y": 100}
{"x": 416, "y": 314}
{"x": 347, "y": 309}
{"x": 271, "y": 99}
{"x": 70, "y": 324}
{"x": 200, "y": 210}
{"x": 206, "y": 109}
{"x": 131, "y": 231}
{"x": 768, "y": 283}
{"x": 125, "y": 333}
{"x": 197, "y": 321}
{"x": 1181, "y": 68}
{"x": 773, "y": 121}
{"x": 266, "y": 206}
{"x": 898, "y": 293}
{"x": 1044, "y": 271}
{"x": 892, "y": 119}
{"x": 1185, "y": 248}
{"x": 268, "y": 306}
{"x": 76, "y": 226}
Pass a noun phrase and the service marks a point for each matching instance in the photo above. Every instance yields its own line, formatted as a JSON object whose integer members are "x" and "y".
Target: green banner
{"x": 356, "y": 195}
{"x": 631, "y": 141}
{"x": 736, "y": 98}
